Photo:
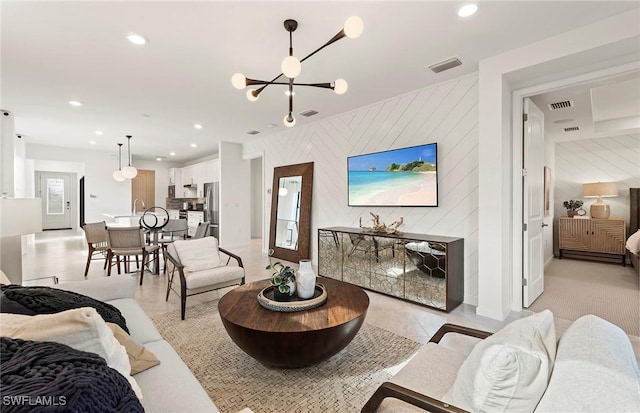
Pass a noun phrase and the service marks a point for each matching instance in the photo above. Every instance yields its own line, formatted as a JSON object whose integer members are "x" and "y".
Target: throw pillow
{"x": 45, "y": 376}
{"x": 508, "y": 371}
{"x": 82, "y": 329}
{"x": 47, "y": 300}
{"x": 140, "y": 358}
{"x": 198, "y": 254}
{"x": 595, "y": 370}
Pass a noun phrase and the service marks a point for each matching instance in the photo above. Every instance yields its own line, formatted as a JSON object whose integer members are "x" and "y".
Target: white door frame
{"x": 517, "y": 136}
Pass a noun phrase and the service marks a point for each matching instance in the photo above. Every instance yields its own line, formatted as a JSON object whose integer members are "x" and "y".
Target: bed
{"x": 634, "y": 223}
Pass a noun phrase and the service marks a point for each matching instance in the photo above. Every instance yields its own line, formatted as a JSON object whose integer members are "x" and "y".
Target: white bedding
{"x": 633, "y": 243}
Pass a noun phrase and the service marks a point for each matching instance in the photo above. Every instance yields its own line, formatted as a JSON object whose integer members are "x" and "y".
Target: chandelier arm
{"x": 326, "y": 85}
{"x": 290, "y": 96}
{"x": 334, "y": 39}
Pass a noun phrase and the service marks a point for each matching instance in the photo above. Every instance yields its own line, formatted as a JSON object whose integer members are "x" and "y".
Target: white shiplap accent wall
{"x": 608, "y": 159}
{"x": 446, "y": 113}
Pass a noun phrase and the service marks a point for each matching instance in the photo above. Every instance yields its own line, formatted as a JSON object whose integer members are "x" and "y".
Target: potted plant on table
{"x": 572, "y": 207}
{"x": 283, "y": 280}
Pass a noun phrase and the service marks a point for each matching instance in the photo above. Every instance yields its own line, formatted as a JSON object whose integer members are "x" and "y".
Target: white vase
{"x": 305, "y": 280}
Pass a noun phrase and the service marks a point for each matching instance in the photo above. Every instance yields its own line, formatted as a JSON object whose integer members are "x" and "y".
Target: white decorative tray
{"x": 265, "y": 298}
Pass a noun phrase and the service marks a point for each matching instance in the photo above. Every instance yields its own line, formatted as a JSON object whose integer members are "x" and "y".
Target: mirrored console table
{"x": 426, "y": 269}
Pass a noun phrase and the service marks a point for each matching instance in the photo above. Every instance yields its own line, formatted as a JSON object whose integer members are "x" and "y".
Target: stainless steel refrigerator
{"x": 212, "y": 207}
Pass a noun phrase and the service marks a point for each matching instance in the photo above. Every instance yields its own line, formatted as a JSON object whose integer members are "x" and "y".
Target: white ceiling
{"x": 53, "y": 52}
{"x": 601, "y": 108}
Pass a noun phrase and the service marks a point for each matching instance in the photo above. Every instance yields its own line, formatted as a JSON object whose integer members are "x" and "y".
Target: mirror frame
{"x": 304, "y": 226}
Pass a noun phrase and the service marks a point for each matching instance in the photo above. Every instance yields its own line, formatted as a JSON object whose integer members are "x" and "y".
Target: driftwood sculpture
{"x": 382, "y": 227}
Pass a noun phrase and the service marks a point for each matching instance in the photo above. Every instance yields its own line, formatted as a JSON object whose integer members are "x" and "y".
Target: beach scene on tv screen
{"x": 402, "y": 177}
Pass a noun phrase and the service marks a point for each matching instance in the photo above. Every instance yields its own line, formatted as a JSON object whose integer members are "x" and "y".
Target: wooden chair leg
{"x": 144, "y": 256}
{"x": 169, "y": 282}
{"x": 138, "y": 262}
{"x": 109, "y": 259}
{"x": 86, "y": 269}
{"x": 183, "y": 304}
{"x": 118, "y": 263}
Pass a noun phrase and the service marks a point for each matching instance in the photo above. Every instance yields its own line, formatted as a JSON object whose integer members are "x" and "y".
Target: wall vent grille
{"x": 253, "y": 132}
{"x": 309, "y": 113}
{"x": 445, "y": 65}
{"x": 561, "y": 105}
{"x": 571, "y": 129}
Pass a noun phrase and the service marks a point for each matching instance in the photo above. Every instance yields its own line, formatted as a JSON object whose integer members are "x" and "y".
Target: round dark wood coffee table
{"x": 296, "y": 339}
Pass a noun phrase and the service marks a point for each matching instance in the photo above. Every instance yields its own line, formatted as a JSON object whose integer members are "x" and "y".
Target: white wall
{"x": 102, "y": 193}
{"x": 257, "y": 185}
{"x": 548, "y": 234}
{"x": 577, "y": 51}
{"x": 609, "y": 159}
{"x": 446, "y": 113}
{"x": 235, "y": 196}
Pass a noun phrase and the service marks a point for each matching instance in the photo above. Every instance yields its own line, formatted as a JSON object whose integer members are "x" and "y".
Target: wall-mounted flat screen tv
{"x": 398, "y": 177}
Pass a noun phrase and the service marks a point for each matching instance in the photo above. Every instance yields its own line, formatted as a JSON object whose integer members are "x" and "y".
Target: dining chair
{"x": 96, "y": 235}
{"x": 128, "y": 242}
{"x": 175, "y": 229}
{"x": 202, "y": 230}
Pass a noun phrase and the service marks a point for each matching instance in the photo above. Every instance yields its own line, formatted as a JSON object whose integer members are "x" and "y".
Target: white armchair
{"x": 201, "y": 267}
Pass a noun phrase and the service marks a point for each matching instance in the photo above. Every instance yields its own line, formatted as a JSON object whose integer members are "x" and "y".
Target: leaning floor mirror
{"x": 290, "y": 232}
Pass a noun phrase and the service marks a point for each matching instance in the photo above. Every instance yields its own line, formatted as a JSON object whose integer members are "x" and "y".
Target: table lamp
{"x": 600, "y": 190}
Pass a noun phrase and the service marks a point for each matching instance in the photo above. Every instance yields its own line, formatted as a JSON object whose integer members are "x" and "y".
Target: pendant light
{"x": 129, "y": 171}
{"x": 283, "y": 191}
{"x": 117, "y": 174}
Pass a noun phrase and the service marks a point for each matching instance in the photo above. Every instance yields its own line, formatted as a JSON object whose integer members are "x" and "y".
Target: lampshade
{"x": 19, "y": 216}
{"x": 340, "y": 86}
{"x": 129, "y": 172}
{"x": 600, "y": 189}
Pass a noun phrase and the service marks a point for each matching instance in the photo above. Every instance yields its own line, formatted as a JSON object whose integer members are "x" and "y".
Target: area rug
{"x": 234, "y": 380}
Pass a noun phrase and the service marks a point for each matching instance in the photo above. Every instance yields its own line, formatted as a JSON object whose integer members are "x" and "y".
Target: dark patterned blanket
{"x": 19, "y": 299}
{"x": 51, "y": 377}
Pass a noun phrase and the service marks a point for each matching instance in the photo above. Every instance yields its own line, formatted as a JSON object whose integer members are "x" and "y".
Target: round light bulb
{"x": 117, "y": 175}
{"x": 251, "y": 96}
{"x": 340, "y": 86}
{"x": 353, "y": 27}
{"x": 467, "y": 10}
{"x": 283, "y": 191}
{"x": 239, "y": 81}
{"x": 291, "y": 67}
{"x": 129, "y": 172}
{"x": 289, "y": 123}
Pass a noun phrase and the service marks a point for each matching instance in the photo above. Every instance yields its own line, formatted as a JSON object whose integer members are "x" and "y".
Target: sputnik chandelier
{"x": 291, "y": 67}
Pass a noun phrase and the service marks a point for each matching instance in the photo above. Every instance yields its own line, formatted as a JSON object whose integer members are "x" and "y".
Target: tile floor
{"x": 63, "y": 254}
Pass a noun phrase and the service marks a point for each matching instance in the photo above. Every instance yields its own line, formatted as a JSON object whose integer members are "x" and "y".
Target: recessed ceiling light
{"x": 193, "y": 145}
{"x": 197, "y": 126}
{"x": 136, "y": 38}
{"x": 92, "y": 142}
{"x": 172, "y": 153}
{"x": 160, "y": 158}
{"x": 99, "y": 132}
{"x": 75, "y": 103}
{"x": 467, "y": 10}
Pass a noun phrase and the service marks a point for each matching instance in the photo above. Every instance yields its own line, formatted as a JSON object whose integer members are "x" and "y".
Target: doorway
{"x": 257, "y": 199}
{"x": 58, "y": 193}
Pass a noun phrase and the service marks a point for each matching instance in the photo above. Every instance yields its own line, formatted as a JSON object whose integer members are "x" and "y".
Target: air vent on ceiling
{"x": 309, "y": 112}
{"x": 253, "y": 132}
{"x": 571, "y": 129}
{"x": 445, "y": 65}
{"x": 561, "y": 105}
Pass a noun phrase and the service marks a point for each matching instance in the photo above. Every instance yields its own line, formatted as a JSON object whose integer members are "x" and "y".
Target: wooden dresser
{"x": 593, "y": 238}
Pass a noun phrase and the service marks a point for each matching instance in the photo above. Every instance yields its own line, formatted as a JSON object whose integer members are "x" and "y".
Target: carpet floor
{"x": 234, "y": 380}
{"x": 573, "y": 288}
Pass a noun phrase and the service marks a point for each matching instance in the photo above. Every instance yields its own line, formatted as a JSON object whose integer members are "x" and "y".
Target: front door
{"x": 533, "y": 203}
{"x": 55, "y": 189}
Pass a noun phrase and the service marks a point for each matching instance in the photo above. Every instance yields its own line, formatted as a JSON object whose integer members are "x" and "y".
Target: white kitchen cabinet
{"x": 174, "y": 213}
{"x": 193, "y": 219}
{"x": 210, "y": 171}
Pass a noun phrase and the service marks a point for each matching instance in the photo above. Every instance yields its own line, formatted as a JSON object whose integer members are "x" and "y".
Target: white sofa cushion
{"x": 198, "y": 254}
{"x": 170, "y": 386}
{"x": 595, "y": 370}
{"x": 81, "y": 328}
{"x": 213, "y": 276}
{"x": 508, "y": 371}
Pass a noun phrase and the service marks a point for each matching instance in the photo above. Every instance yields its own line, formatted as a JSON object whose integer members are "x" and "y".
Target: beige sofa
{"x": 521, "y": 368}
